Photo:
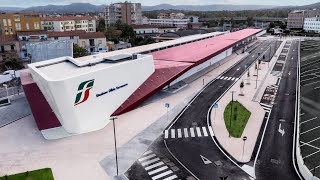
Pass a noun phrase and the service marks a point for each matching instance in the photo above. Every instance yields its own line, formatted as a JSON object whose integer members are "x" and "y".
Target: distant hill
{"x": 213, "y": 7}
{"x": 71, "y": 8}
{"x": 10, "y": 9}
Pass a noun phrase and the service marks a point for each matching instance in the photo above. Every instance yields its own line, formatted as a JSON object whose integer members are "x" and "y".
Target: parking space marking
{"x": 309, "y": 120}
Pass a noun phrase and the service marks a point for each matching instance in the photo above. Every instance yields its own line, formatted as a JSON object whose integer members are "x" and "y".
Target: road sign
{"x": 167, "y": 105}
{"x": 244, "y": 138}
{"x": 205, "y": 160}
{"x": 215, "y": 105}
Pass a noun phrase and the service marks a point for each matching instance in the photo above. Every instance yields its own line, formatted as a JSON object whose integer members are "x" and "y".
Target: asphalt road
{"x": 189, "y": 150}
{"x": 275, "y": 158}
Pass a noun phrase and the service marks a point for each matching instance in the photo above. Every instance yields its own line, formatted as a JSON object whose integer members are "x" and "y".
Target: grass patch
{"x": 41, "y": 174}
{"x": 239, "y": 118}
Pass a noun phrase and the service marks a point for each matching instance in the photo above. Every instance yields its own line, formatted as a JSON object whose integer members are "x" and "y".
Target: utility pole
{"x": 115, "y": 142}
{"x": 257, "y": 78}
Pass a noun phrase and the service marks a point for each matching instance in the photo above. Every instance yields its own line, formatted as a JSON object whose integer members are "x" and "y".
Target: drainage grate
{"x": 275, "y": 161}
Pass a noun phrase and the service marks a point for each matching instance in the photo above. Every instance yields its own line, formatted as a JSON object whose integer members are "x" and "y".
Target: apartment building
{"x": 9, "y": 46}
{"x": 92, "y": 41}
{"x": 12, "y": 23}
{"x": 179, "y": 23}
{"x": 296, "y": 18}
{"x": 70, "y": 23}
{"x": 128, "y": 13}
{"x": 312, "y": 24}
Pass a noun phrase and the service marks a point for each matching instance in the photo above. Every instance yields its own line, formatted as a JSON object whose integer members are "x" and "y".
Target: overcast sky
{"x": 28, "y": 3}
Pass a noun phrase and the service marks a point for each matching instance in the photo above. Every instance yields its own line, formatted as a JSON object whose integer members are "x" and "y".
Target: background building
{"x": 60, "y": 24}
{"x": 12, "y": 23}
{"x": 9, "y": 46}
{"x": 128, "y": 13}
{"x": 296, "y": 19}
{"x": 312, "y": 24}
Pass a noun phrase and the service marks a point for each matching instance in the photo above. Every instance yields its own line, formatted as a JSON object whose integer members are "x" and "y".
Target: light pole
{"x": 115, "y": 142}
{"x": 230, "y": 125}
{"x": 244, "y": 142}
{"x": 257, "y": 76}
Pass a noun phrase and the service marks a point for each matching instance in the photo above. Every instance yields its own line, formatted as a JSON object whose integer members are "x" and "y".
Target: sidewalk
{"x": 251, "y": 98}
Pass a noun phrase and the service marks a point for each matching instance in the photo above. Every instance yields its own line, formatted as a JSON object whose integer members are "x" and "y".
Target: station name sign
{"x": 111, "y": 90}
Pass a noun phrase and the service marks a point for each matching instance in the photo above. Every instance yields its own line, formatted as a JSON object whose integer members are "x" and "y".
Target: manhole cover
{"x": 275, "y": 161}
{"x": 175, "y": 168}
{"x": 218, "y": 163}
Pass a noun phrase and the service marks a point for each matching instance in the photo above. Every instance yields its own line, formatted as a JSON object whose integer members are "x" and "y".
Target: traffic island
{"x": 236, "y": 117}
{"x": 40, "y": 174}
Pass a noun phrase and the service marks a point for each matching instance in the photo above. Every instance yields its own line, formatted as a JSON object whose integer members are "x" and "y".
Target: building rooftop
{"x": 67, "y": 18}
{"x": 143, "y": 26}
{"x": 27, "y": 33}
{"x": 7, "y": 38}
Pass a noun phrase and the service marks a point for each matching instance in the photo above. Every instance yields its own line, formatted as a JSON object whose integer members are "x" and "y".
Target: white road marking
{"x": 161, "y": 175}
{"x": 211, "y": 131}
{"x": 237, "y": 79}
{"x": 232, "y": 79}
{"x": 192, "y": 132}
{"x": 147, "y": 152}
{"x": 149, "y": 162}
{"x": 173, "y": 135}
{"x": 281, "y": 131}
{"x": 218, "y": 77}
{"x": 229, "y": 78}
{"x": 204, "y": 129}
{"x": 205, "y": 160}
{"x": 158, "y": 170}
{"x": 147, "y": 157}
{"x": 166, "y": 134}
{"x": 310, "y": 130}
{"x": 225, "y": 78}
{"x": 179, "y": 133}
{"x": 309, "y": 120}
{"x": 185, "y": 132}
{"x": 198, "y": 131}
{"x": 154, "y": 165}
{"x": 221, "y": 77}
{"x": 171, "y": 177}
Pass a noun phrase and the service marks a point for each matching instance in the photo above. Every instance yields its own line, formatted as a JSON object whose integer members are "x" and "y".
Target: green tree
{"x": 112, "y": 33}
{"x": 13, "y": 62}
{"x": 101, "y": 25}
{"x": 79, "y": 51}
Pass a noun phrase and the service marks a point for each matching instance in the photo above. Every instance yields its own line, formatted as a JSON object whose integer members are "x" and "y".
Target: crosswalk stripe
{"x": 198, "y": 131}
{"x": 211, "y": 131}
{"x": 229, "y": 78}
{"x": 147, "y": 152}
{"x": 158, "y": 170}
{"x": 173, "y": 135}
{"x": 218, "y": 77}
{"x": 149, "y": 162}
{"x": 166, "y": 134}
{"x": 237, "y": 79}
{"x": 179, "y": 133}
{"x": 232, "y": 79}
{"x": 154, "y": 165}
{"x": 204, "y": 129}
{"x": 192, "y": 132}
{"x": 225, "y": 78}
{"x": 221, "y": 77}
{"x": 185, "y": 132}
{"x": 171, "y": 177}
{"x": 161, "y": 175}
{"x": 147, "y": 157}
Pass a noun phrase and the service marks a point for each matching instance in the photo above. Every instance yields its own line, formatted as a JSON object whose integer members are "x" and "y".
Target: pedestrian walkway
{"x": 188, "y": 132}
{"x": 228, "y": 78}
{"x": 155, "y": 167}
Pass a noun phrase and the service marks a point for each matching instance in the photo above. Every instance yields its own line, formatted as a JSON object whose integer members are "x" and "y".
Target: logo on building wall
{"x": 83, "y": 92}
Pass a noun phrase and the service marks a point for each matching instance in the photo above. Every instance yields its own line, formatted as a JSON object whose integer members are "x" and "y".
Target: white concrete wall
{"x": 204, "y": 65}
{"x": 94, "y": 113}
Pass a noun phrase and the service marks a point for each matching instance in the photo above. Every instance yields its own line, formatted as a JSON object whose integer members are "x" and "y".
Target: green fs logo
{"x": 83, "y": 92}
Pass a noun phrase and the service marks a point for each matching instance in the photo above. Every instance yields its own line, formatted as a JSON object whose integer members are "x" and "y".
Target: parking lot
{"x": 310, "y": 105}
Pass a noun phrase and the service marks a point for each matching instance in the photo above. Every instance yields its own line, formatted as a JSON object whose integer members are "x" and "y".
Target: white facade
{"x": 312, "y": 24}
{"x": 179, "y": 23}
{"x": 57, "y": 25}
{"x": 84, "y": 96}
{"x": 146, "y": 30}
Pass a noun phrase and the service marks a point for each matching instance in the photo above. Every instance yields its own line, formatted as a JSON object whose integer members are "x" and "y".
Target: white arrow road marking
{"x": 205, "y": 160}
{"x": 289, "y": 73}
{"x": 281, "y": 131}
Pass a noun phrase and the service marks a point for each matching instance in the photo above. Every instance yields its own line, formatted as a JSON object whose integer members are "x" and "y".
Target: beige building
{"x": 12, "y": 23}
{"x": 296, "y": 18}
{"x": 9, "y": 46}
{"x": 91, "y": 41}
{"x": 128, "y": 13}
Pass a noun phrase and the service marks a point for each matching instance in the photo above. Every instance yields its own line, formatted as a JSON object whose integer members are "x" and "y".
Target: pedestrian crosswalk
{"x": 156, "y": 168}
{"x": 266, "y": 107}
{"x": 228, "y": 78}
{"x": 188, "y": 132}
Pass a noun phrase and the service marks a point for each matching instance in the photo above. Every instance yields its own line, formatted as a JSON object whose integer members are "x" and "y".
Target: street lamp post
{"x": 115, "y": 141}
{"x": 6, "y": 86}
{"x": 230, "y": 125}
{"x": 244, "y": 142}
{"x": 257, "y": 78}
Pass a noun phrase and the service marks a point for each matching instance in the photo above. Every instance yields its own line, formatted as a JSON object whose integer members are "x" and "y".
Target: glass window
{"x": 36, "y": 25}
{"x": 18, "y": 26}
{"x": 16, "y": 18}
{"x": 27, "y": 25}
{"x": 100, "y": 42}
{"x": 9, "y": 22}
{"x": 4, "y": 22}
